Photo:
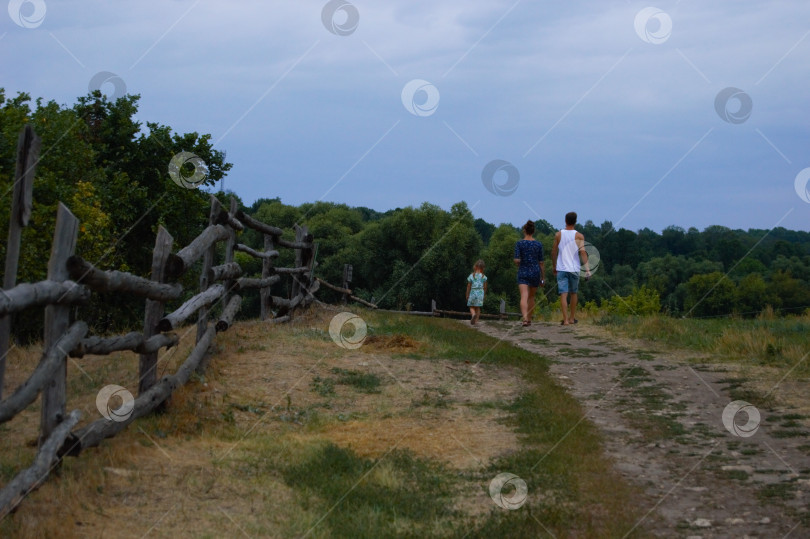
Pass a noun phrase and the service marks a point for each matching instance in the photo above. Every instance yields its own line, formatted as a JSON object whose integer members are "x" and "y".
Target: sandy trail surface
{"x": 662, "y": 419}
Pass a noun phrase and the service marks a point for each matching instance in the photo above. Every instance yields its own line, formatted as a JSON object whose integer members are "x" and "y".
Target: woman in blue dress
{"x": 531, "y": 270}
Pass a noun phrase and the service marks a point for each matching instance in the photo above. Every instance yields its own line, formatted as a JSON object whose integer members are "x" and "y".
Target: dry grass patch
{"x": 187, "y": 471}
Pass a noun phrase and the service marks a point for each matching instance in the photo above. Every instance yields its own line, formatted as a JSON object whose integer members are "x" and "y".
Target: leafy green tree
{"x": 793, "y": 294}
{"x": 622, "y": 280}
{"x": 114, "y": 177}
{"x": 753, "y": 295}
{"x": 710, "y": 294}
{"x": 484, "y": 229}
{"x": 501, "y": 270}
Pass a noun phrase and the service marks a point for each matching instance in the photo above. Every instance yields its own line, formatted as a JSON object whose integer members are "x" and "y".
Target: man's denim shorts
{"x": 567, "y": 282}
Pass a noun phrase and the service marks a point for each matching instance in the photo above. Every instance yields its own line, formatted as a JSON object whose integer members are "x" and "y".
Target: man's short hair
{"x": 571, "y": 218}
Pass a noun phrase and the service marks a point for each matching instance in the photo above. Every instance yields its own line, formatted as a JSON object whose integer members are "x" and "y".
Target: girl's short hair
{"x": 528, "y": 228}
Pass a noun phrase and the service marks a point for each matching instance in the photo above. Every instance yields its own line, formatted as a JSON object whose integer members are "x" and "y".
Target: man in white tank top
{"x": 569, "y": 257}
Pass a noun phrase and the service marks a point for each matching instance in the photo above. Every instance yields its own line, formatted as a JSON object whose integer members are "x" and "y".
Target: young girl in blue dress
{"x": 476, "y": 288}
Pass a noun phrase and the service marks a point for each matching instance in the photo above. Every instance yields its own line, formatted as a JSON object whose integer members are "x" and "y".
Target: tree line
{"x": 405, "y": 257}
{"x": 112, "y": 171}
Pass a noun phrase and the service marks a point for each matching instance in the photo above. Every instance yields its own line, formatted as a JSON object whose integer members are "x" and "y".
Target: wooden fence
{"x": 348, "y": 294}
{"x": 71, "y": 280}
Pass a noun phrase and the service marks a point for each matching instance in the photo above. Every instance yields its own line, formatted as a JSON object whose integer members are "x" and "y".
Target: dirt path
{"x": 662, "y": 419}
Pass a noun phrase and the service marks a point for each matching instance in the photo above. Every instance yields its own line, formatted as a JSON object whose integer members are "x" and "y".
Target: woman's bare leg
{"x": 532, "y": 291}
{"x": 524, "y": 301}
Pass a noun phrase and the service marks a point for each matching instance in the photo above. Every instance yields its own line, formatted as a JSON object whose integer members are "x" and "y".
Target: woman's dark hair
{"x": 528, "y": 228}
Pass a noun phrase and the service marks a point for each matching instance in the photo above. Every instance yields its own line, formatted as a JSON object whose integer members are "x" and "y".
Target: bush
{"x": 640, "y": 302}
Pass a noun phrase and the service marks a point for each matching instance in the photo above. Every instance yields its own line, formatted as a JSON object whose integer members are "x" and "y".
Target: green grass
{"x": 644, "y": 355}
{"x": 581, "y": 352}
{"x": 323, "y": 386}
{"x": 789, "y": 433}
{"x": 737, "y": 475}
{"x": 407, "y": 495}
{"x": 777, "y": 491}
{"x": 647, "y": 409}
{"x": 738, "y": 391}
{"x": 361, "y": 381}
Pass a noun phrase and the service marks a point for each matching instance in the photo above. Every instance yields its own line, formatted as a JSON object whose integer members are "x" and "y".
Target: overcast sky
{"x": 611, "y": 108}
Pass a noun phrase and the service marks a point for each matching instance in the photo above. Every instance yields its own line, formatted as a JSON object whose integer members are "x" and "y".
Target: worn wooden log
{"x": 287, "y": 304}
{"x": 228, "y": 314}
{"x": 279, "y": 320}
{"x": 294, "y": 244}
{"x": 265, "y": 255}
{"x": 333, "y": 287}
{"x": 309, "y": 294}
{"x": 203, "y": 299}
{"x": 246, "y": 283}
{"x": 57, "y": 321}
{"x": 119, "y": 281}
{"x": 29, "y": 295}
{"x": 91, "y": 435}
{"x": 313, "y": 287}
{"x": 134, "y": 341}
{"x": 153, "y": 310}
{"x": 52, "y": 359}
{"x": 462, "y": 313}
{"x": 224, "y": 217}
{"x": 292, "y": 271}
{"x": 417, "y": 313}
{"x": 249, "y": 221}
{"x": 224, "y": 272}
{"x": 29, "y": 479}
{"x": 178, "y": 263}
{"x": 362, "y": 301}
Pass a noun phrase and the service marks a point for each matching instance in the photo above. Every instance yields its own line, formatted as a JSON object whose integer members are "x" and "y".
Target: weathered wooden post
{"x": 503, "y": 309}
{"x": 307, "y": 261}
{"x": 347, "y": 279}
{"x": 295, "y": 288}
{"x": 28, "y": 146}
{"x": 433, "y": 307}
{"x": 229, "y": 246}
{"x": 312, "y": 263}
{"x": 301, "y": 258}
{"x": 57, "y": 320}
{"x": 267, "y": 268}
{"x": 154, "y": 310}
{"x": 207, "y": 262}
